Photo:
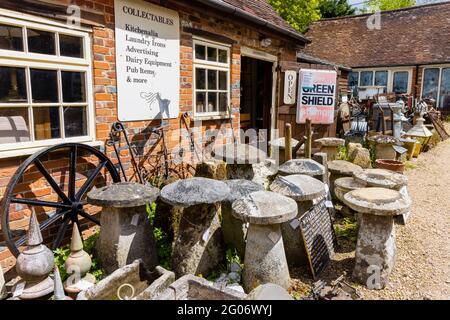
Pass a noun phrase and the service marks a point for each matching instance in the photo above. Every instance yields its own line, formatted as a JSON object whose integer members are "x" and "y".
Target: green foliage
{"x": 346, "y": 229}
{"x": 375, "y": 5}
{"x": 447, "y": 119}
{"x": 62, "y": 253}
{"x": 151, "y": 211}
{"x": 335, "y": 8}
{"x": 163, "y": 241}
{"x": 342, "y": 153}
{"x": 298, "y": 13}
{"x": 232, "y": 256}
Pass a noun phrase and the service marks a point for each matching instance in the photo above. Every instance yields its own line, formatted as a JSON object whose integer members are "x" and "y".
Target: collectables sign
{"x": 317, "y": 96}
{"x": 148, "y": 61}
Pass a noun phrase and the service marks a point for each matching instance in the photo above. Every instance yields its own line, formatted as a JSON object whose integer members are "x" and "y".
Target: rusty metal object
{"x": 338, "y": 289}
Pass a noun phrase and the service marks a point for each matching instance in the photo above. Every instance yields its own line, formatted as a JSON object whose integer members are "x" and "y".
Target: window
{"x": 366, "y": 78}
{"x": 45, "y": 75}
{"x": 444, "y": 99}
{"x": 381, "y": 78}
{"x": 211, "y": 78}
{"x": 436, "y": 85}
{"x": 400, "y": 82}
{"x": 353, "y": 79}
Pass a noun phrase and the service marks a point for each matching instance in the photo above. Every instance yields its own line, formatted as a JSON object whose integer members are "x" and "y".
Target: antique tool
{"x": 193, "y": 145}
{"x": 338, "y": 289}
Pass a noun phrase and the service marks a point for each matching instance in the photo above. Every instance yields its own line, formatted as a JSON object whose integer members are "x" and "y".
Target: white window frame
{"x": 391, "y": 71}
{"x": 211, "y": 65}
{"x": 440, "y": 67}
{"x": 11, "y": 58}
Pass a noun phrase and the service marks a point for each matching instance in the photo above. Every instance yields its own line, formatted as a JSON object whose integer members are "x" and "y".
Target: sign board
{"x": 317, "y": 96}
{"x": 290, "y": 86}
{"x": 148, "y": 61}
{"x": 318, "y": 236}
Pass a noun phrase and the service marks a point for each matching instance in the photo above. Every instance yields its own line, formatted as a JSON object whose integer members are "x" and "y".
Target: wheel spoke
{"x": 72, "y": 172}
{"x": 85, "y": 215}
{"x": 40, "y": 203}
{"x": 21, "y": 240}
{"x": 61, "y": 232}
{"x": 89, "y": 182}
{"x": 51, "y": 181}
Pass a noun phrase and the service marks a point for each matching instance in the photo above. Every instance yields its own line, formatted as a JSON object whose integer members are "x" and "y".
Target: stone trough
{"x": 133, "y": 277}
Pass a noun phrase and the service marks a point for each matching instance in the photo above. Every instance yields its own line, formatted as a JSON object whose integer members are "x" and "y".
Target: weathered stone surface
{"x": 123, "y": 195}
{"x": 194, "y": 191}
{"x": 343, "y": 168}
{"x": 265, "y": 208}
{"x": 146, "y": 284}
{"x": 190, "y": 287}
{"x": 322, "y": 158}
{"x": 330, "y": 142}
{"x": 2, "y": 285}
{"x": 59, "y": 293}
{"x": 351, "y": 147}
{"x": 381, "y": 178}
{"x": 361, "y": 157}
{"x": 269, "y": 292}
{"x": 383, "y": 146}
{"x": 234, "y": 230}
{"x": 212, "y": 169}
{"x": 344, "y": 185}
{"x": 264, "y": 172}
{"x": 281, "y": 143}
{"x": 302, "y": 166}
{"x": 278, "y": 148}
{"x": 298, "y": 187}
{"x": 239, "y": 154}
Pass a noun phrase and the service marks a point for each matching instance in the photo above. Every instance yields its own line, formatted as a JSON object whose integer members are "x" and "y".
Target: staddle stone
{"x": 344, "y": 185}
{"x": 234, "y": 230}
{"x": 381, "y": 178}
{"x": 269, "y": 292}
{"x": 126, "y": 233}
{"x": 302, "y": 166}
{"x": 265, "y": 258}
{"x": 330, "y": 146}
{"x": 339, "y": 169}
{"x": 198, "y": 246}
{"x": 303, "y": 189}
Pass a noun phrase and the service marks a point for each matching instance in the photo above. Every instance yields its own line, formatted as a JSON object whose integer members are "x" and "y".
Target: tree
{"x": 298, "y": 13}
{"x": 375, "y": 5}
{"x": 335, "y": 8}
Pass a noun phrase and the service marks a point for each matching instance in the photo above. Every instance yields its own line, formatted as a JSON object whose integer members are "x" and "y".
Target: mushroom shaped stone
{"x": 344, "y": 185}
{"x": 384, "y": 146}
{"x": 302, "y": 166}
{"x": 381, "y": 178}
{"x": 234, "y": 230}
{"x": 330, "y": 146}
{"x": 339, "y": 169}
{"x": 265, "y": 258}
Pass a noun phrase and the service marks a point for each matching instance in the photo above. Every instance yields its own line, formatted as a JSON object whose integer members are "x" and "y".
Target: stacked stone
{"x": 330, "y": 146}
{"x": 340, "y": 169}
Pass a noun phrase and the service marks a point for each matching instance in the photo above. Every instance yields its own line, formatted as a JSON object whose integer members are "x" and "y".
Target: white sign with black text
{"x": 290, "y": 86}
{"x": 148, "y": 61}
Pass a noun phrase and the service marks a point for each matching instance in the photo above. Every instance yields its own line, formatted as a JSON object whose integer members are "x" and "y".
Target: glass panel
{"x": 12, "y": 85}
{"x": 75, "y": 123}
{"x": 44, "y": 85}
{"x": 73, "y": 86}
{"x": 201, "y": 102}
{"x": 200, "y": 79}
{"x": 41, "y": 41}
{"x": 11, "y": 38}
{"x": 222, "y": 80}
{"x": 14, "y": 125}
{"x": 444, "y": 100}
{"x": 71, "y": 46}
{"x": 401, "y": 82}
{"x": 430, "y": 84}
{"x": 366, "y": 78}
{"x": 223, "y": 102}
{"x": 223, "y": 56}
{"x": 212, "y": 102}
{"x": 46, "y": 123}
{"x": 212, "y": 79}
{"x": 212, "y": 54}
{"x": 381, "y": 78}
{"x": 200, "y": 52}
{"x": 353, "y": 79}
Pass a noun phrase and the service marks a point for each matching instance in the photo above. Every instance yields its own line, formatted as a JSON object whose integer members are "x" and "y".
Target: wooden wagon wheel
{"x": 70, "y": 201}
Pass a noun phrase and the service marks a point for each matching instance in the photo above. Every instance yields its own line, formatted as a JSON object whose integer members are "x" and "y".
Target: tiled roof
{"x": 413, "y": 36}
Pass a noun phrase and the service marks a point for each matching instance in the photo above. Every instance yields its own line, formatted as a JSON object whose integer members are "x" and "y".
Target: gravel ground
{"x": 422, "y": 269}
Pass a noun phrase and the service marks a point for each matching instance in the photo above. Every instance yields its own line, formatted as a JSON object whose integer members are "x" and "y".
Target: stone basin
{"x": 146, "y": 284}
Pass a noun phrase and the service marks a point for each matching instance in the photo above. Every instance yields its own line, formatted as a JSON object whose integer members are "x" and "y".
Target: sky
{"x": 359, "y": 3}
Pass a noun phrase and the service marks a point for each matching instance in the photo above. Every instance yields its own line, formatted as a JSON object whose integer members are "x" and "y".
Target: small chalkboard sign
{"x": 318, "y": 236}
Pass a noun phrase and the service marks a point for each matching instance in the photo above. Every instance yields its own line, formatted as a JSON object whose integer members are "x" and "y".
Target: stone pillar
{"x": 302, "y": 189}
{"x": 375, "y": 248}
{"x": 322, "y": 158}
{"x": 198, "y": 246}
{"x": 265, "y": 258}
{"x": 126, "y": 233}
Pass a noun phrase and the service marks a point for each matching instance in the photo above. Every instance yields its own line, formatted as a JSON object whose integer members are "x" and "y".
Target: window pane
{"x": 444, "y": 102}
{"x": 223, "y": 56}
{"x": 73, "y": 86}
{"x": 222, "y": 80}
{"x": 212, "y": 79}
{"x": 41, "y": 41}
{"x": 212, "y": 54}
{"x": 366, "y": 78}
{"x": 75, "y": 123}
{"x": 353, "y": 79}
{"x": 11, "y": 38}
{"x": 200, "y": 52}
{"x": 430, "y": 84}
{"x": 71, "y": 46}
{"x": 212, "y": 102}
{"x": 223, "y": 102}
{"x": 14, "y": 125}
{"x": 12, "y": 85}
{"x": 200, "y": 79}
{"x": 400, "y": 82}
{"x": 381, "y": 78}
{"x": 44, "y": 85}
{"x": 201, "y": 102}
{"x": 46, "y": 123}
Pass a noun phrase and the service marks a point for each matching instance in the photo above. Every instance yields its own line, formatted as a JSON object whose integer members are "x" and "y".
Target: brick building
{"x": 404, "y": 51}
